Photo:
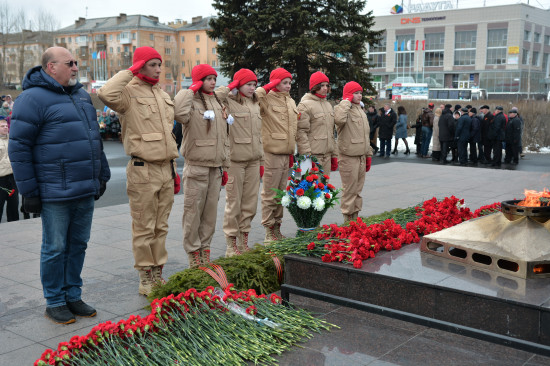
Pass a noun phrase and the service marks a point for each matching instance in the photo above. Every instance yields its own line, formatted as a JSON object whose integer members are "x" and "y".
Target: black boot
{"x": 394, "y": 152}
{"x": 407, "y": 152}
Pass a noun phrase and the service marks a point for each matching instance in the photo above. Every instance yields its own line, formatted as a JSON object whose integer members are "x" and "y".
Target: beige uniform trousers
{"x": 275, "y": 176}
{"x": 241, "y": 197}
{"x": 324, "y": 160}
{"x": 201, "y": 191}
{"x": 352, "y": 172}
{"x": 150, "y": 189}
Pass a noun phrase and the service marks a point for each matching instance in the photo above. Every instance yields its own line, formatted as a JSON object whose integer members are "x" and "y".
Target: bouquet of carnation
{"x": 308, "y": 194}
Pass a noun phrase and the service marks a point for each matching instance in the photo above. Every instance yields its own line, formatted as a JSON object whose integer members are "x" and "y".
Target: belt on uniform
{"x": 141, "y": 163}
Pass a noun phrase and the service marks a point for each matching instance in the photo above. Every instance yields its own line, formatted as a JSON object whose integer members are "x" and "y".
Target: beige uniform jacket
{"x": 353, "y": 129}
{"x": 5, "y": 165}
{"x": 200, "y": 146}
{"x": 315, "y": 133}
{"x": 279, "y": 121}
{"x": 246, "y": 131}
{"x": 146, "y": 117}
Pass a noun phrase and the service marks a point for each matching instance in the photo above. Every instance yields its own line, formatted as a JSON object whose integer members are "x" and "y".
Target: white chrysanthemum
{"x": 285, "y": 201}
{"x": 319, "y": 204}
{"x": 304, "y": 202}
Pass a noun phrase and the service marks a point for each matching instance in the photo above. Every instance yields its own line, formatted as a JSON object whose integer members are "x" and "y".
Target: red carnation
{"x": 309, "y": 178}
{"x": 326, "y": 177}
{"x": 327, "y": 196}
{"x": 311, "y": 246}
{"x": 321, "y": 186}
{"x": 12, "y": 192}
{"x": 298, "y": 170}
{"x": 300, "y": 192}
{"x": 330, "y": 186}
{"x": 288, "y": 188}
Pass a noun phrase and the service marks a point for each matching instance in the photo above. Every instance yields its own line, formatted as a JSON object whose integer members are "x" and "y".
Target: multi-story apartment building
{"x": 19, "y": 52}
{"x": 104, "y": 46}
{"x": 504, "y": 49}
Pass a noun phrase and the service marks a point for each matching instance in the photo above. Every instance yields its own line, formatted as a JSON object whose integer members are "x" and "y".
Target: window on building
{"x": 547, "y": 40}
{"x": 126, "y": 49}
{"x": 62, "y": 41}
{"x": 183, "y": 38}
{"x": 496, "y": 46}
{"x": 536, "y": 37}
{"x": 377, "y": 54}
{"x": 527, "y": 35}
{"x": 118, "y": 37}
{"x": 545, "y": 64}
{"x": 198, "y": 50}
{"x": 166, "y": 38}
{"x": 433, "y": 49}
{"x": 214, "y": 63}
{"x": 134, "y": 48}
{"x": 110, "y": 37}
{"x": 151, "y": 37}
{"x": 183, "y": 51}
{"x": 182, "y": 76}
{"x": 198, "y": 38}
{"x": 133, "y": 36}
{"x": 465, "y": 48}
{"x": 405, "y": 53}
{"x": 168, "y": 76}
{"x": 169, "y": 88}
{"x": 536, "y": 58}
{"x": 70, "y": 39}
{"x": 167, "y": 63}
{"x": 110, "y": 49}
{"x": 214, "y": 50}
{"x": 525, "y": 57}
{"x": 198, "y": 62}
{"x": 183, "y": 64}
{"x": 118, "y": 63}
{"x": 118, "y": 49}
{"x": 167, "y": 51}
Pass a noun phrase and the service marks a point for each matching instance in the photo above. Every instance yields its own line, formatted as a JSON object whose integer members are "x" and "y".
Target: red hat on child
{"x": 145, "y": 54}
{"x": 352, "y": 87}
{"x": 280, "y": 74}
{"x": 317, "y": 78}
{"x": 245, "y": 76}
{"x": 201, "y": 71}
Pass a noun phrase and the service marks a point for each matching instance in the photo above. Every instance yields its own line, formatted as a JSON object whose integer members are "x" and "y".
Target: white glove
{"x": 209, "y": 115}
{"x": 230, "y": 120}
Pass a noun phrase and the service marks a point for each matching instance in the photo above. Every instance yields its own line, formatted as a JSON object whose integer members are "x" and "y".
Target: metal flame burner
{"x": 512, "y": 211}
{"x": 515, "y": 242}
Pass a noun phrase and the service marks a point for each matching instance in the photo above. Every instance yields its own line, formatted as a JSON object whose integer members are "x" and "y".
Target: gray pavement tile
{"x": 10, "y": 341}
{"x": 22, "y": 356}
{"x": 116, "y": 296}
{"x": 21, "y": 236}
{"x": 122, "y": 268}
{"x": 6, "y": 282}
{"x": 15, "y": 255}
{"x": 19, "y": 297}
{"x": 102, "y": 236}
{"x": 22, "y": 272}
{"x": 35, "y": 326}
{"x": 103, "y": 254}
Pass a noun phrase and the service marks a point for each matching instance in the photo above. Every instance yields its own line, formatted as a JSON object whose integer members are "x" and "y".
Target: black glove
{"x": 32, "y": 204}
{"x": 102, "y": 188}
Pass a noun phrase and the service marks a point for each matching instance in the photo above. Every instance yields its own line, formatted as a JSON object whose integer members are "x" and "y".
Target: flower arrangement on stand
{"x": 308, "y": 194}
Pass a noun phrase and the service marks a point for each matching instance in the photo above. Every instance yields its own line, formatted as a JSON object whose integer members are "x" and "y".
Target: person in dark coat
{"x": 372, "y": 116}
{"x": 475, "y": 136}
{"x": 496, "y": 136}
{"x": 59, "y": 166}
{"x": 385, "y": 133}
{"x": 486, "y": 121}
{"x": 418, "y": 133}
{"x": 513, "y": 138}
{"x": 115, "y": 126}
{"x": 446, "y": 132}
{"x": 462, "y": 135}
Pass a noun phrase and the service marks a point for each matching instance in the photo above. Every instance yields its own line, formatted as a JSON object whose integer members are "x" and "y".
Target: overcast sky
{"x": 67, "y": 11}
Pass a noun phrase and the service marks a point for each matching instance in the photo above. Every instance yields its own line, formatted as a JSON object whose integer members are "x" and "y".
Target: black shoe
{"x": 60, "y": 314}
{"x": 80, "y": 308}
{"x": 407, "y": 152}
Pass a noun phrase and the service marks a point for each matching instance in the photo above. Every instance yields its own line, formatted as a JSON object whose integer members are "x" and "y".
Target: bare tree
{"x": 45, "y": 21}
{"x": 7, "y": 26}
{"x": 23, "y": 26}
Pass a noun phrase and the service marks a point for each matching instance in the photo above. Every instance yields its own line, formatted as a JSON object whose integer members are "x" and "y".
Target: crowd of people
{"x": 466, "y": 135}
{"x": 231, "y": 136}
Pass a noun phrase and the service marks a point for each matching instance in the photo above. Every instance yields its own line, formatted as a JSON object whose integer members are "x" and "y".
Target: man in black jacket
{"x": 486, "y": 121}
{"x": 513, "y": 138}
{"x": 496, "y": 136}
{"x": 475, "y": 136}
{"x": 446, "y": 132}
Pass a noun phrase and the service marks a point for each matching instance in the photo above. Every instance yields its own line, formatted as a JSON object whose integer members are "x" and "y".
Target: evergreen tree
{"x": 303, "y": 36}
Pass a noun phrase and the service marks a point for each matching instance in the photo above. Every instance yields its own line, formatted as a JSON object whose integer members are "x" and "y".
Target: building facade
{"x": 19, "y": 52}
{"x": 503, "y": 49}
{"x": 104, "y": 46}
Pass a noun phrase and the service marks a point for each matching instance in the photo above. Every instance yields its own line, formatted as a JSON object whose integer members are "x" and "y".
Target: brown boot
{"x": 354, "y": 216}
{"x": 232, "y": 248}
{"x": 205, "y": 257}
{"x": 157, "y": 275}
{"x": 348, "y": 218}
{"x": 242, "y": 244}
{"x": 270, "y": 234}
{"x": 194, "y": 259}
{"x": 146, "y": 281}
{"x": 277, "y": 231}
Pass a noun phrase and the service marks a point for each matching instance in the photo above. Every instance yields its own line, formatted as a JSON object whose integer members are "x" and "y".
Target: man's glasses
{"x": 70, "y": 63}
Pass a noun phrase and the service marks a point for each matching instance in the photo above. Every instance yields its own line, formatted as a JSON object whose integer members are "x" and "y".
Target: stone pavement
{"x": 111, "y": 283}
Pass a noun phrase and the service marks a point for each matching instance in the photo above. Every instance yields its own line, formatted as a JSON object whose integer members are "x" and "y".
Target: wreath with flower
{"x": 308, "y": 194}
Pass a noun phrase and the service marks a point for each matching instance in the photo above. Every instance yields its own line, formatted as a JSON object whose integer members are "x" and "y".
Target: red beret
{"x": 280, "y": 74}
{"x": 201, "y": 71}
{"x": 352, "y": 87}
{"x": 317, "y": 78}
{"x": 145, "y": 54}
{"x": 245, "y": 76}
